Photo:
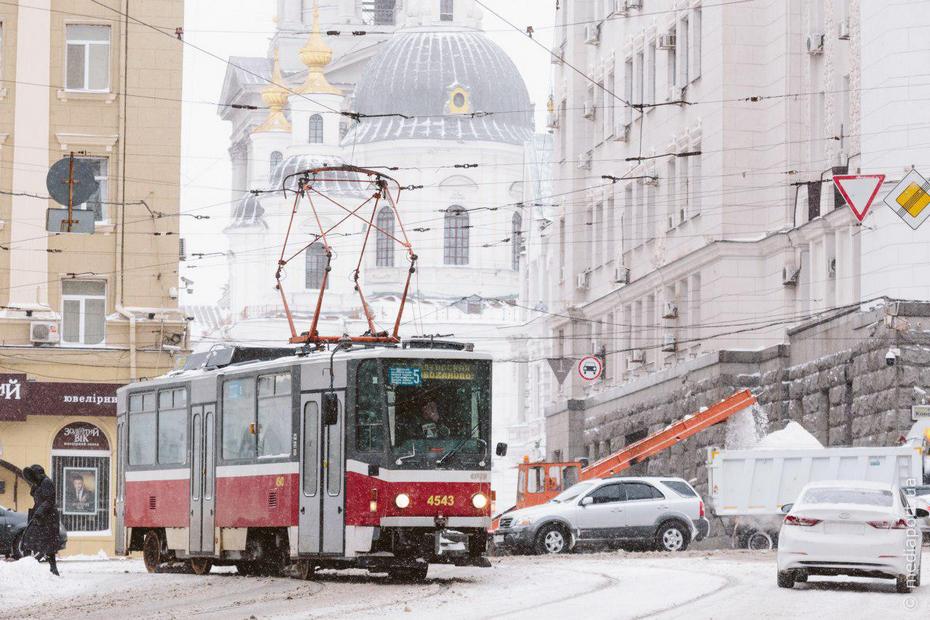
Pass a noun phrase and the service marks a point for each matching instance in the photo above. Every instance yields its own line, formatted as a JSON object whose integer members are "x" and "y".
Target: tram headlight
{"x": 479, "y": 500}
{"x": 402, "y": 500}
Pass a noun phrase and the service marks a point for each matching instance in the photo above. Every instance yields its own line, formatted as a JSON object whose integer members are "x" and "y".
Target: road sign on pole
{"x": 560, "y": 367}
{"x": 590, "y": 367}
{"x": 910, "y": 199}
{"x": 859, "y": 190}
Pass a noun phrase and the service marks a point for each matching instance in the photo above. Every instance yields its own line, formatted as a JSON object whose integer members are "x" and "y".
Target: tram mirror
{"x": 330, "y": 408}
{"x": 501, "y": 449}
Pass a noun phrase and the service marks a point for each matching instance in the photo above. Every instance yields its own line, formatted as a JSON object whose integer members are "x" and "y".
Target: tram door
{"x": 203, "y": 463}
{"x": 120, "y": 505}
{"x": 321, "y": 523}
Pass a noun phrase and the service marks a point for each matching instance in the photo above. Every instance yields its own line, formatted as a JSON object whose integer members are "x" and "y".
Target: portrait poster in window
{"x": 79, "y": 491}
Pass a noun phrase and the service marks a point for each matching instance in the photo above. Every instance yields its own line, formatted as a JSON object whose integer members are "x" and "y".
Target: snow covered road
{"x": 695, "y": 584}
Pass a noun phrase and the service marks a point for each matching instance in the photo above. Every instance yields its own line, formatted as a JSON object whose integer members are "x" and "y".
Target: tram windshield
{"x": 435, "y": 408}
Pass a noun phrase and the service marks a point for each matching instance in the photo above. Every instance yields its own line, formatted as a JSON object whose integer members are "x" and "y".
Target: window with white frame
{"x": 652, "y": 219}
{"x": 455, "y": 236}
{"x": 274, "y": 161}
{"x": 315, "y": 131}
{"x": 681, "y": 49}
{"x": 83, "y": 312}
{"x": 98, "y": 200}
{"x": 87, "y": 57}
{"x": 609, "y": 104}
{"x": 684, "y": 191}
{"x": 446, "y": 10}
{"x": 696, "y": 43}
{"x": 671, "y": 186}
{"x": 628, "y": 90}
{"x": 671, "y": 73}
{"x": 516, "y": 240}
{"x": 315, "y": 263}
{"x": 384, "y": 255}
{"x": 639, "y": 71}
{"x": 627, "y": 218}
{"x": 697, "y": 169}
{"x": 649, "y": 96}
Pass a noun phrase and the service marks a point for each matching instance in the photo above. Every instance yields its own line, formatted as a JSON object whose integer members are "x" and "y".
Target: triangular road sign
{"x": 859, "y": 190}
{"x": 560, "y": 367}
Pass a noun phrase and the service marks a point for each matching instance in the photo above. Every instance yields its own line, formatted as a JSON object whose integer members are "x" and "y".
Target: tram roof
{"x": 316, "y": 357}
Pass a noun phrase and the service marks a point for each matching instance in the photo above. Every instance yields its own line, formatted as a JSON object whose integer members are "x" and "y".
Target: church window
{"x": 445, "y": 10}
{"x": 316, "y": 129}
{"x": 516, "y": 240}
{"x": 274, "y": 162}
{"x": 456, "y": 236}
{"x": 316, "y": 266}
{"x": 385, "y": 244}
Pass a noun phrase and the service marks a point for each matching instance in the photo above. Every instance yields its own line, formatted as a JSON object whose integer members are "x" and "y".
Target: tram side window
{"x": 369, "y": 409}
{"x": 274, "y": 415}
{"x": 239, "y": 419}
{"x": 172, "y": 426}
{"x": 334, "y": 459}
{"x": 142, "y": 428}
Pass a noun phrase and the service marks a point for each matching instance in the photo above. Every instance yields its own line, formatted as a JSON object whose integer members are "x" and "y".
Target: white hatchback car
{"x": 849, "y": 527}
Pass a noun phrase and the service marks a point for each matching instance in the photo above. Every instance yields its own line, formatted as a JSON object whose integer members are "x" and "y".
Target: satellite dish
{"x": 62, "y": 177}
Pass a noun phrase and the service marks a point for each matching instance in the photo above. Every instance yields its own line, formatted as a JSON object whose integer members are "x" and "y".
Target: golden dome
{"x": 316, "y": 55}
{"x": 275, "y": 97}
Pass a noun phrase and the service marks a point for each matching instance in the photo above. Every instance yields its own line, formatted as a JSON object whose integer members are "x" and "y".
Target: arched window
{"x": 456, "y": 236}
{"x": 516, "y": 240}
{"x": 316, "y": 129}
{"x": 385, "y": 244}
{"x": 315, "y": 265}
{"x": 274, "y": 162}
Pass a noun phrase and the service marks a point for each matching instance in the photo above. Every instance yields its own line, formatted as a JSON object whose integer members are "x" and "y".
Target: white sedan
{"x": 847, "y": 527}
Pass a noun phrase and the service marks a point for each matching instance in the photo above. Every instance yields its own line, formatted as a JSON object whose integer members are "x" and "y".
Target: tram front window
{"x": 437, "y": 408}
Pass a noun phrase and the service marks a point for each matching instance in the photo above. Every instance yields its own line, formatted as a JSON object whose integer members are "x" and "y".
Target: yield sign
{"x": 560, "y": 367}
{"x": 859, "y": 190}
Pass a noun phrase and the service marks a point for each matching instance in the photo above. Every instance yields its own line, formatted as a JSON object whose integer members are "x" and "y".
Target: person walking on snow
{"x": 41, "y": 535}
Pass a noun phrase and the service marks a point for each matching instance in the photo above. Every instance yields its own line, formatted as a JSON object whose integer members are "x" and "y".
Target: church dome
{"x": 456, "y": 85}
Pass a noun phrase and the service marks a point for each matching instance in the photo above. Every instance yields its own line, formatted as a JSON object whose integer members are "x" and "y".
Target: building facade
{"x": 694, "y": 150}
{"x": 85, "y": 313}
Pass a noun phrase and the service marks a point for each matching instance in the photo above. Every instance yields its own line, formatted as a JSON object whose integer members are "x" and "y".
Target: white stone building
{"x": 729, "y": 231}
{"x": 422, "y": 93}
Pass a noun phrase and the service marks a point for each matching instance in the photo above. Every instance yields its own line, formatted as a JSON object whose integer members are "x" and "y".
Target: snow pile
{"x": 745, "y": 428}
{"x": 26, "y": 581}
{"x": 792, "y": 437}
{"x": 100, "y": 556}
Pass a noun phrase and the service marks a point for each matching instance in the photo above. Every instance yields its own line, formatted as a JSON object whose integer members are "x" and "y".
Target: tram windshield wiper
{"x": 460, "y": 445}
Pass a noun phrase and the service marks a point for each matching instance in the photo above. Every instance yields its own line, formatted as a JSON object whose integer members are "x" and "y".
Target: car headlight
{"x": 479, "y": 500}
{"x": 523, "y": 522}
{"x": 402, "y": 500}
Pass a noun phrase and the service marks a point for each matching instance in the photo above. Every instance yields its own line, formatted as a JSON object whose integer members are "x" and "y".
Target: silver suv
{"x": 666, "y": 513}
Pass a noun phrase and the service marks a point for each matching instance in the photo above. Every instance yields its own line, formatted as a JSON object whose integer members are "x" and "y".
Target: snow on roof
{"x": 792, "y": 437}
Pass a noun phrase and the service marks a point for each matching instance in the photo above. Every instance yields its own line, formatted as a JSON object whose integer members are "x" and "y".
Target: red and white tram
{"x": 373, "y": 456}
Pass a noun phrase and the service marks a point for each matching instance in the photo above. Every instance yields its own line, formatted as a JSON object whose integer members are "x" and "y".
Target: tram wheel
{"x": 305, "y": 570}
{"x": 151, "y": 551}
{"x": 201, "y": 566}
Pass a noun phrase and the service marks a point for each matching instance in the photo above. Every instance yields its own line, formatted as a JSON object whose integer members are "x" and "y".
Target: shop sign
{"x": 80, "y": 436}
{"x": 19, "y": 398}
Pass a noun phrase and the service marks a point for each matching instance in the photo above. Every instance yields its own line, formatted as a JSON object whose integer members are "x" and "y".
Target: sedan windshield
{"x": 865, "y": 497}
{"x": 572, "y": 492}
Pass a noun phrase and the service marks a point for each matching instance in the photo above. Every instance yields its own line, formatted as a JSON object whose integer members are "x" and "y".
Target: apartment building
{"x": 694, "y": 148}
{"x": 84, "y": 313}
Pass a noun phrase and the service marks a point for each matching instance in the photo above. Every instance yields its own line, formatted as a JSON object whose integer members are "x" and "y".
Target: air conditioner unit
{"x": 666, "y": 42}
{"x": 637, "y": 356}
{"x": 592, "y": 34}
{"x": 43, "y": 332}
{"x": 588, "y": 109}
{"x": 815, "y": 43}
{"x": 622, "y": 275}
{"x": 669, "y": 343}
{"x": 634, "y": 4}
{"x": 790, "y": 274}
{"x": 843, "y": 34}
{"x": 582, "y": 281}
{"x": 670, "y": 310}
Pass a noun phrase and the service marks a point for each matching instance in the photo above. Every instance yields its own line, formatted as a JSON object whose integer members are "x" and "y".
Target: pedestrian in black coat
{"x": 41, "y": 534}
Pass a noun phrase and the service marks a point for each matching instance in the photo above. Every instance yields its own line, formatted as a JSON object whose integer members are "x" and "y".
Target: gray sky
{"x": 243, "y": 28}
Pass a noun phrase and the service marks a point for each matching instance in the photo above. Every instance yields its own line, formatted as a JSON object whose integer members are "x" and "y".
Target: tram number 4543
{"x": 440, "y": 500}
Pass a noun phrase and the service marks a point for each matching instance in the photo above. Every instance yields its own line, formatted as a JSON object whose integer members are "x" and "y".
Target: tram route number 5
{"x": 590, "y": 367}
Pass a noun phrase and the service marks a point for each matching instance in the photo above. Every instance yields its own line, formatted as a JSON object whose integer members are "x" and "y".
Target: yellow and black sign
{"x": 448, "y": 372}
{"x": 910, "y": 199}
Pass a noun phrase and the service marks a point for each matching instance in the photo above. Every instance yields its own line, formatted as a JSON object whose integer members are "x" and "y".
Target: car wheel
{"x": 901, "y": 584}
{"x": 151, "y": 551}
{"x": 551, "y": 539}
{"x": 786, "y": 579}
{"x": 759, "y": 541}
{"x": 671, "y": 537}
{"x": 800, "y": 577}
{"x": 16, "y": 550}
